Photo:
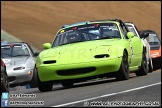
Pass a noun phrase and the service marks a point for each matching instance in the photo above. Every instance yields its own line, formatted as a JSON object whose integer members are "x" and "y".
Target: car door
{"x": 135, "y": 45}
{"x": 136, "y": 50}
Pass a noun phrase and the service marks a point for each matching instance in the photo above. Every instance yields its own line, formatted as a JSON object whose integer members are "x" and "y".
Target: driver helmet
{"x": 72, "y": 37}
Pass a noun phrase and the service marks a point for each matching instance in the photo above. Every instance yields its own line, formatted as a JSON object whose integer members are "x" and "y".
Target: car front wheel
{"x": 44, "y": 86}
{"x": 5, "y": 83}
{"x": 123, "y": 73}
{"x": 144, "y": 66}
{"x": 150, "y": 65}
{"x": 33, "y": 82}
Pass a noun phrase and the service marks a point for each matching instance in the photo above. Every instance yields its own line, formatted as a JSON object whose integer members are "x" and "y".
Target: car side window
{"x": 136, "y": 29}
{"x": 29, "y": 49}
{"x": 131, "y": 29}
{"x": 57, "y": 40}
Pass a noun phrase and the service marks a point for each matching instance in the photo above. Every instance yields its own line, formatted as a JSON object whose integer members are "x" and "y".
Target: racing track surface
{"x": 136, "y": 89}
{"x": 37, "y": 22}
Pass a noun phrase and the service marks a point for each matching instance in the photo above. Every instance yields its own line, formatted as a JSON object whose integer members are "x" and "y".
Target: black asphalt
{"x": 90, "y": 89}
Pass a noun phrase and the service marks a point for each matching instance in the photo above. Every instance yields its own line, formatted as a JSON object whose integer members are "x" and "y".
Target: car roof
{"x": 14, "y": 43}
{"x": 75, "y": 24}
{"x": 129, "y": 23}
{"x": 117, "y": 21}
{"x": 19, "y": 43}
{"x": 91, "y": 22}
{"x": 149, "y": 31}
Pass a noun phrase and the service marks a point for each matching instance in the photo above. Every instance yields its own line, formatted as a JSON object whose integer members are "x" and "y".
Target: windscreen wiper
{"x": 76, "y": 41}
{"x": 109, "y": 37}
{"x": 64, "y": 44}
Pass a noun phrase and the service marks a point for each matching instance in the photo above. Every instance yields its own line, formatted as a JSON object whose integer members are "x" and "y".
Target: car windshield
{"x": 8, "y": 51}
{"x": 86, "y": 32}
{"x": 153, "y": 39}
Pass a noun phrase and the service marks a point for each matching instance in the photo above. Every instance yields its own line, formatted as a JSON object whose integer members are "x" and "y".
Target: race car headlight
{"x": 19, "y": 68}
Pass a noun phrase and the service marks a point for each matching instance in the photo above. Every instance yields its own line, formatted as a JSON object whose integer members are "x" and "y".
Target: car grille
{"x": 76, "y": 71}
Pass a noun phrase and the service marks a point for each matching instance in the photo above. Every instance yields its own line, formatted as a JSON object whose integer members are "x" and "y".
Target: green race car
{"x": 79, "y": 52}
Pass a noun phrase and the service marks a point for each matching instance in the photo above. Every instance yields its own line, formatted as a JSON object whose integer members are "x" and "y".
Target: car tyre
{"x": 33, "y": 82}
{"x": 123, "y": 73}
{"x": 144, "y": 66}
{"x": 5, "y": 83}
{"x": 44, "y": 86}
{"x": 150, "y": 65}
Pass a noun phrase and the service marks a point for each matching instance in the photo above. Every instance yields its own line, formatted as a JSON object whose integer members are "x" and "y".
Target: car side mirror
{"x": 130, "y": 35}
{"x": 36, "y": 54}
{"x": 46, "y": 45}
{"x": 144, "y": 35}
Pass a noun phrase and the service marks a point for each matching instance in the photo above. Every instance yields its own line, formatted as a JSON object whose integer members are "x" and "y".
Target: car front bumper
{"x": 48, "y": 72}
{"x": 19, "y": 76}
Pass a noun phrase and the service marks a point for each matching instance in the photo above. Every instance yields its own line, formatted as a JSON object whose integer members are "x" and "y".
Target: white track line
{"x": 106, "y": 95}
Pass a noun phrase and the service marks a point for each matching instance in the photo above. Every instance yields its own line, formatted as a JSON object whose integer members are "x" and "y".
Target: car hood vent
{"x": 101, "y": 56}
{"x": 49, "y": 62}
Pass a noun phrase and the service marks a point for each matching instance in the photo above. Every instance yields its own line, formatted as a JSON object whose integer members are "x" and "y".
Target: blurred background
{"x": 37, "y": 22}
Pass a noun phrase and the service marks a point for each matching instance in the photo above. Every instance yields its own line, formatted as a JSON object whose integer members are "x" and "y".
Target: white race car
{"x": 134, "y": 29}
{"x": 20, "y": 63}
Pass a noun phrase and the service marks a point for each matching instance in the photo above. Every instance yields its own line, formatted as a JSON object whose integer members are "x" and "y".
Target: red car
{"x": 4, "y": 78}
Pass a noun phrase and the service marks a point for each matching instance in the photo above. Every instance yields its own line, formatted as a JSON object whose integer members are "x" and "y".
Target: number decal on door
{"x": 132, "y": 50}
